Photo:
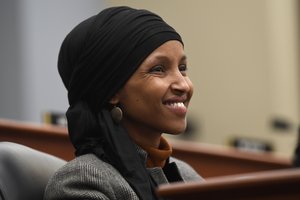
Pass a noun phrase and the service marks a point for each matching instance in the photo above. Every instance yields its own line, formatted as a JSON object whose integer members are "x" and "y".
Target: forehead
{"x": 169, "y": 52}
{"x": 172, "y": 48}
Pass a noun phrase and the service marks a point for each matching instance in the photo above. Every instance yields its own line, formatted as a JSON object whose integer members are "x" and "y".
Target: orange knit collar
{"x": 157, "y": 156}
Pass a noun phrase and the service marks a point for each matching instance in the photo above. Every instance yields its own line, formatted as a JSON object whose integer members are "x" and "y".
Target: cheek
{"x": 191, "y": 86}
{"x": 131, "y": 102}
{"x": 142, "y": 97}
{"x": 140, "y": 104}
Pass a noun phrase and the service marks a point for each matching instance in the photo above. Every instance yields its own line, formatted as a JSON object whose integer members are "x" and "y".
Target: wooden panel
{"x": 275, "y": 185}
{"x": 50, "y": 139}
{"x": 208, "y": 160}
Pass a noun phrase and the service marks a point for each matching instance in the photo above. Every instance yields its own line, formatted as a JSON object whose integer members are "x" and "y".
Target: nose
{"x": 181, "y": 84}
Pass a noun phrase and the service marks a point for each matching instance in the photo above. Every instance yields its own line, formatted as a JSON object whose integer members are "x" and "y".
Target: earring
{"x": 116, "y": 114}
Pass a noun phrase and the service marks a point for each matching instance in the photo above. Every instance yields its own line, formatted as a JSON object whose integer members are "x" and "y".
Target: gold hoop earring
{"x": 116, "y": 114}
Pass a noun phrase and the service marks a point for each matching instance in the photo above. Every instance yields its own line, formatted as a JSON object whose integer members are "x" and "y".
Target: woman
{"x": 126, "y": 75}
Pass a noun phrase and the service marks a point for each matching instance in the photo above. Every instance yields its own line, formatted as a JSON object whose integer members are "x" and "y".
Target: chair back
{"x": 24, "y": 172}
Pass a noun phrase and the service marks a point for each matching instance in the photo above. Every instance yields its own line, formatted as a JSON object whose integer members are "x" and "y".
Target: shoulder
{"x": 89, "y": 166}
{"x": 88, "y": 177}
{"x": 187, "y": 172}
{"x": 88, "y": 163}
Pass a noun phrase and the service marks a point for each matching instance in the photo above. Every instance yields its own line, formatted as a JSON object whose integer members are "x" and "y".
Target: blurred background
{"x": 243, "y": 60}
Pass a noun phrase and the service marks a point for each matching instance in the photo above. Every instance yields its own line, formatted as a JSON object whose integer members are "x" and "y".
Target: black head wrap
{"x": 96, "y": 59}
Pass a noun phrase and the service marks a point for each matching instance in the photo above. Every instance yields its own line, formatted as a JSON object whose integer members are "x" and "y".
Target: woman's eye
{"x": 183, "y": 68}
{"x": 157, "y": 69}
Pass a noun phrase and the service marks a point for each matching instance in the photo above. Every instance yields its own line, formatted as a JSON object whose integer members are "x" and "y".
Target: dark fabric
{"x": 172, "y": 172}
{"x": 121, "y": 152}
{"x": 84, "y": 129}
{"x": 296, "y": 161}
{"x": 96, "y": 59}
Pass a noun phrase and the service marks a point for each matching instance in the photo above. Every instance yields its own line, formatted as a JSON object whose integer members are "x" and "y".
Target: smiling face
{"x": 155, "y": 99}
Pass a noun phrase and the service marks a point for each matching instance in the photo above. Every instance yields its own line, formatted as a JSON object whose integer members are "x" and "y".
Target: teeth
{"x": 177, "y": 104}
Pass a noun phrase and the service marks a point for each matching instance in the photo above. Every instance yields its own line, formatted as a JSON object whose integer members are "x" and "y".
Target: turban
{"x": 99, "y": 55}
{"x": 95, "y": 60}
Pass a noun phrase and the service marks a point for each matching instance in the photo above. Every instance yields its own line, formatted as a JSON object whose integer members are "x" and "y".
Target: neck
{"x": 143, "y": 137}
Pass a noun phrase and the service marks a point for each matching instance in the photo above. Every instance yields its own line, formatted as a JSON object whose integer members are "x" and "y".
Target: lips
{"x": 177, "y": 105}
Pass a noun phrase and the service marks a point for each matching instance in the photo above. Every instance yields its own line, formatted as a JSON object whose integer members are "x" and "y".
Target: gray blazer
{"x": 88, "y": 177}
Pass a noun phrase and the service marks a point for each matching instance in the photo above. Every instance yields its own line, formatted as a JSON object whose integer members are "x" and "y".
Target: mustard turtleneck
{"x": 157, "y": 156}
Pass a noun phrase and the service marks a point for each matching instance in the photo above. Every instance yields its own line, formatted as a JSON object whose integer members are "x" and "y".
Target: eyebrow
{"x": 184, "y": 57}
{"x": 161, "y": 56}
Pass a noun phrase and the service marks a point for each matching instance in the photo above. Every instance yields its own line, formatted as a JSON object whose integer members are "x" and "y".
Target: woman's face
{"x": 156, "y": 97}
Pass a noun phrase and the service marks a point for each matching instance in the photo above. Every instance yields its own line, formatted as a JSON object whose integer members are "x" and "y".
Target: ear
{"x": 115, "y": 99}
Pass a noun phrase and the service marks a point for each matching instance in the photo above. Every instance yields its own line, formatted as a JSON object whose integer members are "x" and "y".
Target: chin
{"x": 176, "y": 130}
{"x": 172, "y": 127}
{"x": 175, "y": 133}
